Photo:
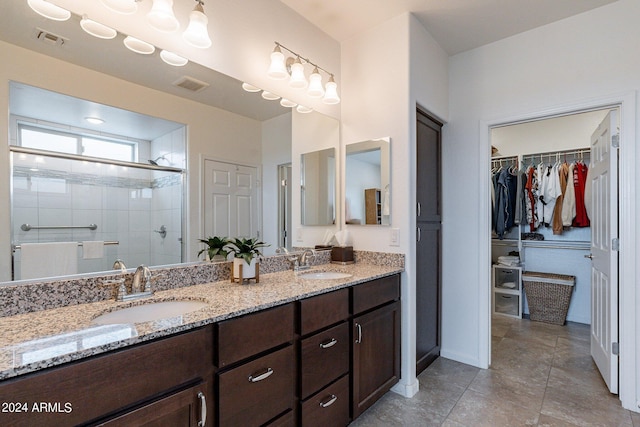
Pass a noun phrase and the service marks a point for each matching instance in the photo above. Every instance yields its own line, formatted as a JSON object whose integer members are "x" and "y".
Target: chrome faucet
{"x": 119, "y": 265}
{"x": 141, "y": 280}
{"x": 304, "y": 258}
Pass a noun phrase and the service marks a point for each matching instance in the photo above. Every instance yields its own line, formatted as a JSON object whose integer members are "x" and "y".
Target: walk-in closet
{"x": 545, "y": 226}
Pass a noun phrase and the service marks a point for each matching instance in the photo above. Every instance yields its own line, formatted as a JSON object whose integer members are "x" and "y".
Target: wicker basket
{"x": 548, "y": 295}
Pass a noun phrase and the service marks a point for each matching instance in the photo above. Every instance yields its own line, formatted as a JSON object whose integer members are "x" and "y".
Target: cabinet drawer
{"x": 506, "y": 278}
{"x": 257, "y": 391}
{"x": 506, "y": 304}
{"x": 330, "y": 407}
{"x": 375, "y": 293}
{"x": 324, "y": 357}
{"x": 286, "y": 420}
{"x": 323, "y": 310}
{"x": 246, "y": 336}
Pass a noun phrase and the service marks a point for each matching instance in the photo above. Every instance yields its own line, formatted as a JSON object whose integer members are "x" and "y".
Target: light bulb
{"x": 298, "y": 79}
{"x": 196, "y": 33}
{"x": 161, "y": 16}
{"x": 97, "y": 29}
{"x": 331, "y": 94}
{"x": 173, "y": 59}
{"x": 49, "y": 10}
{"x": 125, "y": 7}
{"x": 315, "y": 84}
{"x": 277, "y": 69}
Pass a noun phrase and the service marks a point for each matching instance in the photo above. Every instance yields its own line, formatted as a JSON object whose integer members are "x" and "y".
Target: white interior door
{"x": 231, "y": 203}
{"x": 603, "y": 175}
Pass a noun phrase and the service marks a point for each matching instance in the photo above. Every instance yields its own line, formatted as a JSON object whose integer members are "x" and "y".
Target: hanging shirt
{"x": 569, "y": 200}
{"x": 563, "y": 174}
{"x": 549, "y": 192}
{"x": 579, "y": 180}
{"x": 532, "y": 198}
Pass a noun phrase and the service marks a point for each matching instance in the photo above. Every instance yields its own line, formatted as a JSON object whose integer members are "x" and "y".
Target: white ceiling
{"x": 457, "y": 25}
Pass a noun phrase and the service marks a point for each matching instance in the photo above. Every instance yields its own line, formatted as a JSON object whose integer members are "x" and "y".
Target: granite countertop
{"x": 34, "y": 341}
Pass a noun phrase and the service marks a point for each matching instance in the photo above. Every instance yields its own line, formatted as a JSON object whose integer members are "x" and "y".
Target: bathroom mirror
{"x": 318, "y": 187}
{"x": 367, "y": 183}
{"x": 227, "y": 121}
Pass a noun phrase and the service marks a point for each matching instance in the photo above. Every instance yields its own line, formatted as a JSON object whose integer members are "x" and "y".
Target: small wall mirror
{"x": 368, "y": 183}
{"x": 318, "y": 187}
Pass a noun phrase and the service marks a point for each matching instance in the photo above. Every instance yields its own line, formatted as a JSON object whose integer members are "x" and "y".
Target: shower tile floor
{"x": 540, "y": 375}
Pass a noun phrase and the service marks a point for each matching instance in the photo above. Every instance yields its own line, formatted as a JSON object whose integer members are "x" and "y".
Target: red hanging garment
{"x": 579, "y": 181}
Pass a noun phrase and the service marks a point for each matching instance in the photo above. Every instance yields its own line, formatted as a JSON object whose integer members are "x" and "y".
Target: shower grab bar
{"x": 106, "y": 243}
{"x": 27, "y": 227}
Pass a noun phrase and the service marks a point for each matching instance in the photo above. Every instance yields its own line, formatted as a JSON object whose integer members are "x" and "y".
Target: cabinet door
{"x": 187, "y": 408}
{"x": 376, "y": 355}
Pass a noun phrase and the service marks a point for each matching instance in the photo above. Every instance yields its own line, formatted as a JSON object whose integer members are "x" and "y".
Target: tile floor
{"x": 541, "y": 375}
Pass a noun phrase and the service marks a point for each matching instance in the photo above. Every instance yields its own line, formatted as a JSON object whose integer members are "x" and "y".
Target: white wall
{"x": 575, "y": 61}
{"x": 276, "y": 150}
{"x": 210, "y": 131}
{"x": 380, "y": 101}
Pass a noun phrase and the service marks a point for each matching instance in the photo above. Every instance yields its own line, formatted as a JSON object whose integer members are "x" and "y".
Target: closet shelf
{"x": 557, "y": 244}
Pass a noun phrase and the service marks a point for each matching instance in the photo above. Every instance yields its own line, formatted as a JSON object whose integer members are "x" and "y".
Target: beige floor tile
{"x": 547, "y": 421}
{"x": 509, "y": 389}
{"x": 479, "y": 410}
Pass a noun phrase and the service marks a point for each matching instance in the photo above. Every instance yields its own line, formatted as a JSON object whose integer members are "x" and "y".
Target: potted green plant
{"x": 246, "y": 253}
{"x": 216, "y": 248}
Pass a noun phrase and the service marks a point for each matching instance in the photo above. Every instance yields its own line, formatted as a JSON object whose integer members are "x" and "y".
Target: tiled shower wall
{"x": 127, "y": 204}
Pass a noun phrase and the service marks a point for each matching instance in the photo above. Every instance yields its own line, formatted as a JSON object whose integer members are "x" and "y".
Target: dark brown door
{"x": 428, "y": 241}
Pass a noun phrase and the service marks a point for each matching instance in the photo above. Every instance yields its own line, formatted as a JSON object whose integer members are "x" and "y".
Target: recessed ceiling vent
{"x": 49, "y": 38}
{"x": 191, "y": 84}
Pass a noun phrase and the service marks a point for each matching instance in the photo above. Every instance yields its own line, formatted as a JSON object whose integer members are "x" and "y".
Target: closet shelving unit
{"x": 507, "y": 301}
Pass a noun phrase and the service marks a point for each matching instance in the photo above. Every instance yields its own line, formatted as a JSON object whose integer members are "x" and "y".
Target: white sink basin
{"x": 324, "y": 275}
{"x": 149, "y": 312}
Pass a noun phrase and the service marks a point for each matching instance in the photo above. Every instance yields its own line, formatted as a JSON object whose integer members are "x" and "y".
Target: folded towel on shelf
{"x": 48, "y": 259}
{"x": 93, "y": 249}
{"x": 508, "y": 285}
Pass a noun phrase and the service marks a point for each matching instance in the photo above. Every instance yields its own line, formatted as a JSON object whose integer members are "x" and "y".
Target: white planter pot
{"x": 219, "y": 258}
{"x": 248, "y": 270}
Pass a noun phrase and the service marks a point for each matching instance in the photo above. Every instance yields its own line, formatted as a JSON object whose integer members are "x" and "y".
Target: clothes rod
{"x": 577, "y": 245}
{"x": 27, "y": 227}
{"x": 106, "y": 243}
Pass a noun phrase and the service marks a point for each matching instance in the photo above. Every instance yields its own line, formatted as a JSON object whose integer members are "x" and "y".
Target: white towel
{"x": 48, "y": 259}
{"x": 92, "y": 249}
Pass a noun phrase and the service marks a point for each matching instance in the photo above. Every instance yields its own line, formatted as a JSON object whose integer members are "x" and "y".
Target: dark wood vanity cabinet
{"x": 376, "y": 341}
{"x": 320, "y": 361}
{"x": 134, "y": 383}
{"x": 324, "y": 348}
{"x": 256, "y": 382}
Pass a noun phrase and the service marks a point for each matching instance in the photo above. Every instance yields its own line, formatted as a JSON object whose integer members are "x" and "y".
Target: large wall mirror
{"x": 220, "y": 121}
{"x": 318, "y": 187}
{"x": 367, "y": 183}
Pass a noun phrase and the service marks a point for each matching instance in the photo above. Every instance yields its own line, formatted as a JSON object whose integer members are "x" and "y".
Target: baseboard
{"x": 406, "y": 389}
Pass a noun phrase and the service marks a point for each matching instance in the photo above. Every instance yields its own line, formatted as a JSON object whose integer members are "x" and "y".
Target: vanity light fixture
{"x": 97, "y": 29}
{"x": 125, "y": 7}
{"x": 94, "y": 120}
{"x": 282, "y": 68}
{"x": 197, "y": 34}
{"x": 331, "y": 93}
{"x": 173, "y": 59}
{"x": 138, "y": 46}
{"x": 49, "y": 10}
{"x": 270, "y": 96}
{"x": 161, "y": 16}
{"x": 304, "y": 110}
{"x": 250, "y": 88}
{"x": 287, "y": 104}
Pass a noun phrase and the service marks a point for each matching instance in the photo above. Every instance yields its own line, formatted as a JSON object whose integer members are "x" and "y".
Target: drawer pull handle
{"x": 331, "y": 401}
{"x": 328, "y": 344}
{"x": 203, "y": 409}
{"x": 359, "y": 339}
{"x": 262, "y": 376}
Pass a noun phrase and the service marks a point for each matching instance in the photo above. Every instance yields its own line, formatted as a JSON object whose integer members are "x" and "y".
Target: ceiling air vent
{"x": 189, "y": 83}
{"x": 49, "y": 38}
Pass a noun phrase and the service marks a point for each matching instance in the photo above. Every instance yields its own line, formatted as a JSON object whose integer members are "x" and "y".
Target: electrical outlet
{"x": 395, "y": 237}
{"x": 299, "y": 234}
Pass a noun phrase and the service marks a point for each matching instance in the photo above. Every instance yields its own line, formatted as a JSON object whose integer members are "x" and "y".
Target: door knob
{"x": 590, "y": 256}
